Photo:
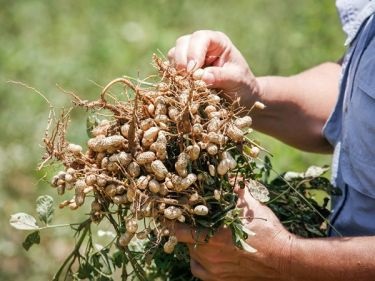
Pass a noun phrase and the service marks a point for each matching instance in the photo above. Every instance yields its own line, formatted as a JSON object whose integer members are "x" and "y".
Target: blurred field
{"x": 73, "y": 43}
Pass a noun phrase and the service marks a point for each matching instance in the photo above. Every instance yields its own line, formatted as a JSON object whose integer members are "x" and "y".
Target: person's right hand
{"x": 224, "y": 66}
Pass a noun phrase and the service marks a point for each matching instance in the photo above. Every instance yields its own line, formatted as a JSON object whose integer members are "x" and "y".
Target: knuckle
{"x": 182, "y": 40}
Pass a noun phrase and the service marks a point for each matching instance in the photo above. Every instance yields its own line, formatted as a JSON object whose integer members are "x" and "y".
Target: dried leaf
{"x": 45, "y": 209}
{"x": 258, "y": 191}
{"x": 315, "y": 171}
{"x": 23, "y": 221}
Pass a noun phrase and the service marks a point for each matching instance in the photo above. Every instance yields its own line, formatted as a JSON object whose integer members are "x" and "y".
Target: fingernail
{"x": 208, "y": 77}
{"x": 190, "y": 66}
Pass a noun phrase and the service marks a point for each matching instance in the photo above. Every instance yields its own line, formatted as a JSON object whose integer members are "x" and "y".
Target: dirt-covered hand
{"x": 220, "y": 259}
{"x": 223, "y": 65}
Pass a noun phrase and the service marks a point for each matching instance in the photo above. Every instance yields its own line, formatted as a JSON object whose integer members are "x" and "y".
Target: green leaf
{"x": 31, "y": 239}
{"x": 23, "y": 221}
{"x": 45, "y": 208}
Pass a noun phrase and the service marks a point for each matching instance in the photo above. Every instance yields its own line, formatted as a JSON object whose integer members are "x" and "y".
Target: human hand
{"x": 224, "y": 66}
{"x": 220, "y": 259}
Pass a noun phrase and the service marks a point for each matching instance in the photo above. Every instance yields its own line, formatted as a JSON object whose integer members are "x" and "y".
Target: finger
{"x": 198, "y": 270}
{"x": 180, "y": 53}
{"x": 205, "y": 47}
{"x": 187, "y": 234}
{"x": 171, "y": 54}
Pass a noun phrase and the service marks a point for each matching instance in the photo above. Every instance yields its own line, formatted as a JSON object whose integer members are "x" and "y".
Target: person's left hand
{"x": 220, "y": 259}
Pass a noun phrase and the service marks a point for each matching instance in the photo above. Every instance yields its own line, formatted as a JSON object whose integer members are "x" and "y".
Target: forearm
{"x": 298, "y": 106}
{"x": 333, "y": 259}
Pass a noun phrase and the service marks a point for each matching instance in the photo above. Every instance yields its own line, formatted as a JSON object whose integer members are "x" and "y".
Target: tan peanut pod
{"x": 168, "y": 183}
{"x": 101, "y": 181}
{"x": 184, "y": 97}
{"x": 120, "y": 199}
{"x": 216, "y": 138}
{"x": 73, "y": 205}
{"x": 223, "y": 167}
{"x": 123, "y": 158}
{"x": 193, "y": 151}
{"x": 131, "y": 225}
{"x": 69, "y": 178}
{"x": 160, "y": 106}
{"x": 95, "y": 206}
{"x": 120, "y": 189}
{"x": 232, "y": 163}
{"x": 102, "y": 128}
{"x": 161, "y": 119}
{"x": 64, "y": 204}
{"x": 134, "y": 169}
{"x": 197, "y": 129}
{"x": 142, "y": 182}
{"x": 243, "y": 122}
{"x": 254, "y": 152}
{"x": 74, "y": 148}
{"x": 125, "y": 239}
{"x": 71, "y": 171}
{"x": 169, "y": 246}
{"x": 130, "y": 194}
{"x": 194, "y": 197}
{"x": 88, "y": 189}
{"x": 181, "y": 164}
{"x": 259, "y": 105}
{"x": 187, "y": 182}
{"x": 151, "y": 109}
{"x": 159, "y": 169}
{"x": 212, "y": 149}
{"x": 173, "y": 113}
{"x": 104, "y": 163}
{"x": 212, "y": 170}
{"x": 213, "y": 99}
{"x": 163, "y": 189}
{"x": 202, "y": 145}
{"x": 145, "y": 157}
{"x": 210, "y": 108}
{"x": 112, "y": 166}
{"x": 110, "y": 190}
{"x": 146, "y": 124}
{"x": 148, "y": 168}
{"x": 90, "y": 179}
{"x": 61, "y": 175}
{"x": 60, "y": 182}
{"x": 161, "y": 206}
{"x": 79, "y": 199}
{"x": 234, "y": 133}
{"x": 200, "y": 210}
{"x": 181, "y": 218}
{"x": 125, "y": 130}
{"x": 154, "y": 186}
{"x": 172, "y": 212}
{"x": 214, "y": 114}
{"x": 60, "y": 189}
{"x": 101, "y": 144}
{"x": 217, "y": 194}
{"x": 151, "y": 134}
{"x": 223, "y": 113}
{"x": 213, "y": 125}
{"x": 142, "y": 234}
{"x": 194, "y": 107}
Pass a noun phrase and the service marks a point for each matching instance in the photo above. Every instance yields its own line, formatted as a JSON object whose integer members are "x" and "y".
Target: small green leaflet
{"x": 23, "y": 221}
{"x": 45, "y": 209}
{"x": 31, "y": 239}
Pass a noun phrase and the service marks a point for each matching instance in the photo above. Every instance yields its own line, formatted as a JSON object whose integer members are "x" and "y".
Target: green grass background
{"x": 73, "y": 43}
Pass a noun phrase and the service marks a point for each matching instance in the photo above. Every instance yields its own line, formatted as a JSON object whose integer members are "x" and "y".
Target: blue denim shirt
{"x": 351, "y": 130}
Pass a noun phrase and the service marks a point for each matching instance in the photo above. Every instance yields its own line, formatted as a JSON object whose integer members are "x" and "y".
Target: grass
{"x": 72, "y": 43}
